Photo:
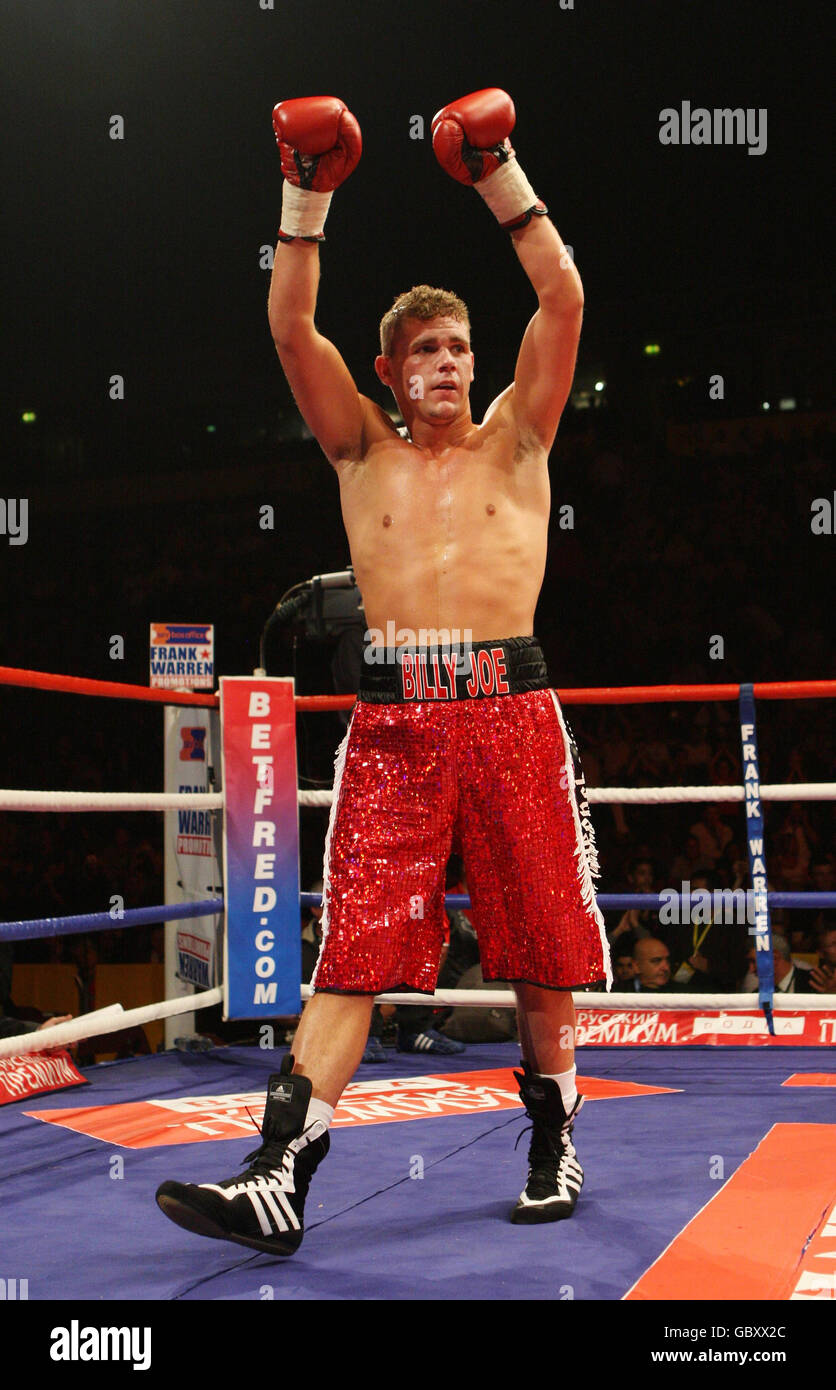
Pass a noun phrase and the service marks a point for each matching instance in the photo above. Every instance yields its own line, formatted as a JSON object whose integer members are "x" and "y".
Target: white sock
{"x": 319, "y": 1110}
{"x": 566, "y": 1082}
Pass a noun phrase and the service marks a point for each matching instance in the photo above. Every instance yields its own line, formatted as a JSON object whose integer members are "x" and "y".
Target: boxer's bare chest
{"x": 411, "y": 494}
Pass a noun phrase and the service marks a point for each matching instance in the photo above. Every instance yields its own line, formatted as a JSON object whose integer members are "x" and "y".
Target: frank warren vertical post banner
{"x": 263, "y": 955}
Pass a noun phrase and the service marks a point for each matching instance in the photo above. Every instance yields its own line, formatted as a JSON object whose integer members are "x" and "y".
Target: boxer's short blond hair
{"x": 422, "y": 302}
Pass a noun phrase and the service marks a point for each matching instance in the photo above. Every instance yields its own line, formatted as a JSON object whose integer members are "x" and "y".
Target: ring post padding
{"x": 192, "y": 854}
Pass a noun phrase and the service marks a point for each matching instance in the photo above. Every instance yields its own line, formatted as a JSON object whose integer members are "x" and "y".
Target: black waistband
{"x": 407, "y": 675}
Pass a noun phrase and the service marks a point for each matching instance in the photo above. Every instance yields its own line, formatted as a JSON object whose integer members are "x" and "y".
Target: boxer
{"x": 451, "y": 742}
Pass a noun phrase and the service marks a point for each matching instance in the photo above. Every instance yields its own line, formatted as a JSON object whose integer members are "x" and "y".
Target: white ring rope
{"x": 14, "y": 800}
{"x": 593, "y": 999}
{"x": 114, "y": 1018}
{"x": 773, "y": 791}
{"x": 651, "y": 796}
{"x": 110, "y": 801}
{"x": 109, "y": 1020}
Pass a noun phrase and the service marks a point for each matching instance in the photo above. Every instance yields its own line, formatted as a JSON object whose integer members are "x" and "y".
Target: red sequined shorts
{"x": 433, "y": 767}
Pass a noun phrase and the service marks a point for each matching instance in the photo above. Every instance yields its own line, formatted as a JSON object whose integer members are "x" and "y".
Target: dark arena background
{"x": 153, "y": 467}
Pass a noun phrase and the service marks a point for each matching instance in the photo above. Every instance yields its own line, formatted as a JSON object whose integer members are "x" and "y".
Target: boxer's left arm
{"x": 471, "y": 140}
{"x": 546, "y": 361}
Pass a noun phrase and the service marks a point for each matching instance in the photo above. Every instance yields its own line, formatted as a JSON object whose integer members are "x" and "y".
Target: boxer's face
{"x": 430, "y": 369}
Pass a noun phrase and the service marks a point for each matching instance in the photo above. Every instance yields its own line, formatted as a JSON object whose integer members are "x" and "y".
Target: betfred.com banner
{"x": 263, "y": 949}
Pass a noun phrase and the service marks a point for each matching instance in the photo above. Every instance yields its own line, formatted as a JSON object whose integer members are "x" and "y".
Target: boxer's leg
{"x": 330, "y": 1041}
{"x": 529, "y": 873}
{"x": 547, "y": 1028}
{"x": 383, "y": 899}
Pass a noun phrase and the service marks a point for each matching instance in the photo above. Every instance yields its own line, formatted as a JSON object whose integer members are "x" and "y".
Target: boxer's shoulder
{"x": 376, "y": 428}
{"x": 378, "y": 425}
{"x": 502, "y": 423}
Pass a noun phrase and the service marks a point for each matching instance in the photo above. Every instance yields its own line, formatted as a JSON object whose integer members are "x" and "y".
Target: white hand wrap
{"x": 303, "y": 211}
{"x": 507, "y": 192}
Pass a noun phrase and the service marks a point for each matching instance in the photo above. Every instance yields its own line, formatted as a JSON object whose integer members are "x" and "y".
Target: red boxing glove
{"x": 470, "y": 136}
{"x": 471, "y": 141}
{"x": 319, "y": 141}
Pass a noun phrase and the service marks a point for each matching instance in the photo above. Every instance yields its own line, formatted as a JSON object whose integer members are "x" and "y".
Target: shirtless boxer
{"x": 448, "y": 745}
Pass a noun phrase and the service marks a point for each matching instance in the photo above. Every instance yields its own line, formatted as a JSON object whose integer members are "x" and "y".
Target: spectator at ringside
{"x": 636, "y": 922}
{"x": 799, "y": 933}
{"x": 616, "y": 747}
{"x": 789, "y": 977}
{"x": 822, "y": 978}
{"x": 652, "y": 961}
{"x": 822, "y": 880}
{"x": 623, "y": 964}
{"x": 707, "y": 956}
{"x": 724, "y": 771}
{"x": 712, "y": 833}
{"x": 687, "y": 863}
{"x": 790, "y": 859}
{"x": 822, "y": 875}
{"x": 696, "y": 752}
{"x": 733, "y": 868}
{"x": 614, "y": 750}
{"x": 650, "y": 765}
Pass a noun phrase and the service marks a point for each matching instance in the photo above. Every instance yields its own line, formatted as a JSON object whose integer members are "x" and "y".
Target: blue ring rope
{"x": 102, "y": 921}
{"x": 210, "y": 907}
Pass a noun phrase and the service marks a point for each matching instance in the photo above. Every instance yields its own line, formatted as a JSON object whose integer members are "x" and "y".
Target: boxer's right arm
{"x": 320, "y": 143}
{"x": 321, "y": 383}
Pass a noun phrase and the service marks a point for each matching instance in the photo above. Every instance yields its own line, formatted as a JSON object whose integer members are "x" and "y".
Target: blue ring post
{"x": 756, "y": 851}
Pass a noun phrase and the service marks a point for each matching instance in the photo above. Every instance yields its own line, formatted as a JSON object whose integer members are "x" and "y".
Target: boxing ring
{"x": 684, "y": 1175}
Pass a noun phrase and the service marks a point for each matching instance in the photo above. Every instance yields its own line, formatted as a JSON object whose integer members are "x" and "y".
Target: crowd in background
{"x": 664, "y": 555}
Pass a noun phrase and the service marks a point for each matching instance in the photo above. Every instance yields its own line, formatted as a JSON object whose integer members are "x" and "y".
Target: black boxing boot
{"x": 555, "y": 1176}
{"x": 263, "y": 1206}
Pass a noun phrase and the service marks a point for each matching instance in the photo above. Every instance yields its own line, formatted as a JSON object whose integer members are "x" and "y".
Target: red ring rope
{"x": 582, "y": 695}
{"x": 79, "y": 685}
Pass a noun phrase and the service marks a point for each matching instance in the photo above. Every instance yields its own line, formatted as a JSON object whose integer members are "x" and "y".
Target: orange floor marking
{"x": 749, "y": 1242}
{"x": 811, "y": 1078}
{"x": 373, "y": 1100}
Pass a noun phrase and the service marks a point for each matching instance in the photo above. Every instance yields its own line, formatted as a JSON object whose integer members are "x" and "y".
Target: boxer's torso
{"x": 456, "y": 540}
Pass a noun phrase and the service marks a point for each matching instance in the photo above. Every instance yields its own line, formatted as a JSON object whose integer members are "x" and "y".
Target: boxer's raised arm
{"x": 321, "y": 383}
{"x": 471, "y": 141}
{"x": 546, "y": 361}
{"x": 320, "y": 143}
